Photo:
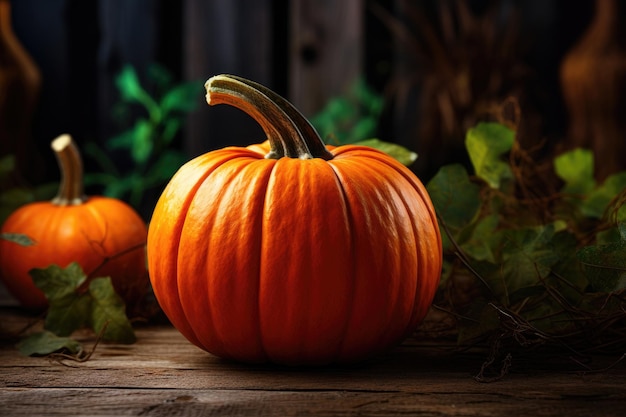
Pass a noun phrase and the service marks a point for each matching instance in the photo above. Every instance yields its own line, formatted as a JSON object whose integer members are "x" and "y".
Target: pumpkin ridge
{"x": 435, "y": 250}
{"x": 183, "y": 280}
{"x": 350, "y": 218}
{"x": 387, "y": 334}
{"x": 400, "y": 211}
{"x": 259, "y": 278}
{"x": 205, "y": 271}
{"x": 307, "y": 295}
{"x": 408, "y": 175}
{"x": 165, "y": 286}
{"x": 238, "y": 187}
{"x": 380, "y": 156}
{"x": 425, "y": 198}
{"x": 420, "y": 269}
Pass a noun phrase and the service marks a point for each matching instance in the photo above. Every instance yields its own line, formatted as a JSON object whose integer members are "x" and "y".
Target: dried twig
{"x": 80, "y": 356}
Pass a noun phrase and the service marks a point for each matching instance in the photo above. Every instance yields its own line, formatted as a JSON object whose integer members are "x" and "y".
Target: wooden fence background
{"x": 306, "y": 50}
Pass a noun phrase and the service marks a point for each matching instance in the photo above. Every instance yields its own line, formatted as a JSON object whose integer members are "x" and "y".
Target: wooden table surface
{"x": 164, "y": 375}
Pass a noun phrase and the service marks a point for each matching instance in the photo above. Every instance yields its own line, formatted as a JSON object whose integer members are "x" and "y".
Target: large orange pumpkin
{"x": 290, "y": 252}
{"x": 104, "y": 235}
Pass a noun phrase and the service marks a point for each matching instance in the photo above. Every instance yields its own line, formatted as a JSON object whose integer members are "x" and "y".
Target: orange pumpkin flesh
{"x": 104, "y": 235}
{"x": 279, "y": 253}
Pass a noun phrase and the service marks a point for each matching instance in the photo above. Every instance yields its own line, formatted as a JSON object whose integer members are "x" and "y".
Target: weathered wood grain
{"x": 164, "y": 375}
{"x": 232, "y": 37}
{"x": 143, "y": 402}
{"x": 326, "y": 51}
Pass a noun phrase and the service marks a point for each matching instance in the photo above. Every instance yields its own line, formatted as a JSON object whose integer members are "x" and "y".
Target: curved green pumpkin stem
{"x": 71, "y": 166}
{"x": 290, "y": 134}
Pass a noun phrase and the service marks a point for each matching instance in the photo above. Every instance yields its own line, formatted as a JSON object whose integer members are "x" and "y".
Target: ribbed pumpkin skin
{"x": 299, "y": 262}
{"x": 88, "y": 233}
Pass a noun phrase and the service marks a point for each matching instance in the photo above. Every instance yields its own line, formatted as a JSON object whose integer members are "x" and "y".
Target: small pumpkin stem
{"x": 290, "y": 134}
{"x": 71, "y": 166}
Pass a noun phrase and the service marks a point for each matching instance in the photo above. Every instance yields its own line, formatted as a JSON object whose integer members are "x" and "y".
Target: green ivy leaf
{"x": 568, "y": 267}
{"x": 598, "y": 200}
{"x": 485, "y": 144}
{"x": 528, "y": 256}
{"x": 183, "y": 98}
{"x": 480, "y": 246}
{"x": 605, "y": 265}
{"x": 44, "y": 343}
{"x": 68, "y": 308}
{"x": 455, "y": 197}
{"x": 398, "y": 152}
{"x": 56, "y": 282}
{"x": 350, "y": 118}
{"x": 576, "y": 169}
{"x": 143, "y": 135}
{"x": 72, "y": 307}
{"x": 68, "y": 313}
{"x": 19, "y": 238}
{"x": 109, "y": 313}
{"x": 170, "y": 128}
{"x": 129, "y": 86}
{"x": 131, "y": 90}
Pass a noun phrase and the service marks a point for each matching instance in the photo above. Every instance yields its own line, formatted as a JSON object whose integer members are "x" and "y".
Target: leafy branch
{"x": 545, "y": 270}
{"x": 353, "y": 118}
{"x": 148, "y": 141}
{"x": 76, "y": 302}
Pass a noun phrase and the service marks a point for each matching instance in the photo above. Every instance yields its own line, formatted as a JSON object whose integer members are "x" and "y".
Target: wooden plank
{"x": 225, "y": 36}
{"x": 164, "y": 375}
{"x": 120, "y": 402}
{"x": 326, "y": 52}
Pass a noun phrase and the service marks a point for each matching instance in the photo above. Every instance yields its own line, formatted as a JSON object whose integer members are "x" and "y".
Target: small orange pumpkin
{"x": 290, "y": 252}
{"x": 104, "y": 235}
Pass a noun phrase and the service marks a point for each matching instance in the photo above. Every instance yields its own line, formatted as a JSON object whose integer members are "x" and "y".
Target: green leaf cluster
{"x": 542, "y": 262}
{"x": 76, "y": 302}
{"x": 398, "y": 152}
{"x": 152, "y": 121}
{"x": 353, "y": 119}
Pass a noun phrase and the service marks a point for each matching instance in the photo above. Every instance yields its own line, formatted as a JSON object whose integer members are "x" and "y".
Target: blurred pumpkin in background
{"x": 104, "y": 235}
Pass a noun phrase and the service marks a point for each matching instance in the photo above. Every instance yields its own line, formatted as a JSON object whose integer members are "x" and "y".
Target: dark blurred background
{"x": 440, "y": 65}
